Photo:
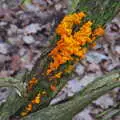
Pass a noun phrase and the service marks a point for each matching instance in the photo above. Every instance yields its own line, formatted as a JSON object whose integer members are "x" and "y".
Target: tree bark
{"x": 67, "y": 110}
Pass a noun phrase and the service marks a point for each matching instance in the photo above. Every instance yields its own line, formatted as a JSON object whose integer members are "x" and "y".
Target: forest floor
{"x": 26, "y": 30}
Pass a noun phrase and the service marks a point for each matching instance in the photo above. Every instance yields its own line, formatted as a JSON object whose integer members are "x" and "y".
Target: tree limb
{"x": 67, "y": 110}
{"x": 13, "y": 83}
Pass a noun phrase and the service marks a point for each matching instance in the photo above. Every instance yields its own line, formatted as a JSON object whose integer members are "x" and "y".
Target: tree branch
{"x": 13, "y": 83}
{"x": 67, "y": 110}
{"x": 109, "y": 113}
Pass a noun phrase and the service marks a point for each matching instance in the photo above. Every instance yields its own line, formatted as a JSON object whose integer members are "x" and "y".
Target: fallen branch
{"x": 67, "y": 110}
{"x": 12, "y": 83}
{"x": 109, "y": 113}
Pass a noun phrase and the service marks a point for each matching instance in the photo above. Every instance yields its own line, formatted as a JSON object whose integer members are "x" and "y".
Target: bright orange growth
{"x": 31, "y": 83}
{"x": 37, "y": 99}
{"x": 29, "y": 107}
{"x": 53, "y": 87}
{"x": 23, "y": 113}
{"x": 57, "y": 75}
{"x": 98, "y": 32}
{"x": 72, "y": 44}
{"x": 65, "y": 27}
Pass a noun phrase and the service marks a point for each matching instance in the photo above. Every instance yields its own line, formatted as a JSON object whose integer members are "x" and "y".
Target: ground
{"x": 26, "y": 30}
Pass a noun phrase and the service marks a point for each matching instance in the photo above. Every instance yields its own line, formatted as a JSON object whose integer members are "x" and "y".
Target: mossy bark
{"x": 100, "y": 11}
{"x": 109, "y": 113}
{"x": 68, "y": 109}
